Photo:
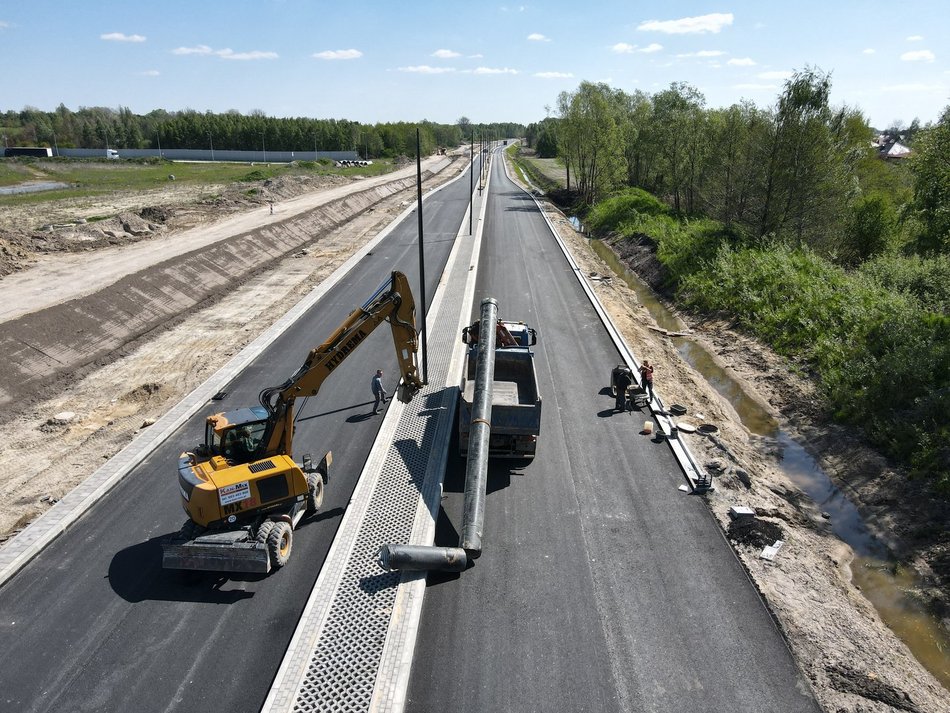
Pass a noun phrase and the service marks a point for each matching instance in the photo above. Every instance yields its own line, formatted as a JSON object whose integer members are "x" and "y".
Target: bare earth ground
{"x": 854, "y": 662}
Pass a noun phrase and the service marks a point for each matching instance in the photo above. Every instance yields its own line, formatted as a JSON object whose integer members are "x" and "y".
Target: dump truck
{"x": 241, "y": 489}
{"x": 516, "y": 402}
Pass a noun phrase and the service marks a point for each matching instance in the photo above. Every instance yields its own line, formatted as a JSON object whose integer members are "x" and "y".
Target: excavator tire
{"x": 264, "y": 530}
{"x": 314, "y": 492}
{"x": 280, "y": 542}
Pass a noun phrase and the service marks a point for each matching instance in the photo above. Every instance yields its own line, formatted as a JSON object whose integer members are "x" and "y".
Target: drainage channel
{"x": 352, "y": 650}
{"x": 883, "y": 581}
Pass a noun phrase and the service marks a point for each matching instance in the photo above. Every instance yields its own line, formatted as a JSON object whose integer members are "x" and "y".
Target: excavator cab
{"x": 236, "y": 435}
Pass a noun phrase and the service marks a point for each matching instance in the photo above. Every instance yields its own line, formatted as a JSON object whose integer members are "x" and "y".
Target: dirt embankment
{"x": 83, "y": 224}
{"x": 89, "y": 414}
{"x": 46, "y": 349}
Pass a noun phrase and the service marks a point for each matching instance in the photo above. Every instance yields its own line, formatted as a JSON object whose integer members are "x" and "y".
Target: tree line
{"x": 802, "y": 169}
{"x": 786, "y": 222}
{"x": 103, "y": 127}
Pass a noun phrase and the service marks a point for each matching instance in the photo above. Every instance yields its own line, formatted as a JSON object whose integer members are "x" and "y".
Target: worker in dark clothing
{"x": 623, "y": 381}
{"x": 378, "y": 391}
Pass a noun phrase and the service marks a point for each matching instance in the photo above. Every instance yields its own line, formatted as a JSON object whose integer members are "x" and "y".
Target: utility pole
{"x": 471, "y": 187}
{"x": 422, "y": 264}
{"x": 212, "y": 145}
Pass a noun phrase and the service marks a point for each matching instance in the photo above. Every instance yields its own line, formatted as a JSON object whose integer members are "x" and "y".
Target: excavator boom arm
{"x": 392, "y": 302}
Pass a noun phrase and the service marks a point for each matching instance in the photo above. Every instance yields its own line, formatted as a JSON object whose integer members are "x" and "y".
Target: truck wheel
{"x": 280, "y": 542}
{"x": 314, "y": 493}
{"x": 263, "y": 531}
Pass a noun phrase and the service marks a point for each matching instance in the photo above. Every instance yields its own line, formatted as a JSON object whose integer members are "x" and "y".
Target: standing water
{"x": 882, "y": 580}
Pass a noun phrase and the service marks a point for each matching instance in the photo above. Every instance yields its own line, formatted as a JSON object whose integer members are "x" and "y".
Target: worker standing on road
{"x": 378, "y": 391}
{"x": 623, "y": 381}
{"x": 646, "y": 375}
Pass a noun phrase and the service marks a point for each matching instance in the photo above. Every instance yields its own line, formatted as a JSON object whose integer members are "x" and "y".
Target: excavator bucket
{"x": 229, "y": 551}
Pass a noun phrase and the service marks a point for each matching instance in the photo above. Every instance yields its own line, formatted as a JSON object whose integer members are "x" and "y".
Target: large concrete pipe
{"x": 422, "y": 557}
{"x": 476, "y": 468}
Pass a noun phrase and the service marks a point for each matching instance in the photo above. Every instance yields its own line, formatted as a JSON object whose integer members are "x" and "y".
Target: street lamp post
{"x": 263, "y": 148}
{"x": 212, "y": 145}
{"x": 159, "y": 137}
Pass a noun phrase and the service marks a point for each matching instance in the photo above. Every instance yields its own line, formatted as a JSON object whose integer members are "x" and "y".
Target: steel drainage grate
{"x": 341, "y": 675}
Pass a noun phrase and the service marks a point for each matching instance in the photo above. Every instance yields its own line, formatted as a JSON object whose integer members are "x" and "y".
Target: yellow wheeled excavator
{"x": 241, "y": 489}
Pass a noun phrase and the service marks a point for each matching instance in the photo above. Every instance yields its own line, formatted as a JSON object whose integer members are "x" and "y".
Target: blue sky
{"x": 406, "y": 61}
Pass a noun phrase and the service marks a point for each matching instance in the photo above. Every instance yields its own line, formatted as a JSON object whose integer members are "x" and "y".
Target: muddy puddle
{"x": 888, "y": 585}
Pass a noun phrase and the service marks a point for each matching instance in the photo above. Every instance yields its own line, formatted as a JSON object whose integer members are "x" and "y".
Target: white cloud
{"x": 226, "y": 53}
{"x": 4, "y": 25}
{"x": 150, "y": 73}
{"x": 426, "y": 69}
{"x": 624, "y": 48}
{"x": 689, "y": 25}
{"x": 538, "y": 37}
{"x": 741, "y": 62}
{"x": 869, "y": 50}
{"x": 337, "y": 54}
{"x": 446, "y": 54}
{"x": 254, "y": 54}
{"x": 918, "y": 56}
{"x": 554, "y": 75}
{"x": 754, "y": 86}
{"x": 476, "y": 56}
{"x": 198, "y": 49}
{"x": 703, "y": 53}
{"x": 121, "y": 37}
{"x": 915, "y": 38}
{"x": 493, "y": 70}
{"x": 774, "y": 75}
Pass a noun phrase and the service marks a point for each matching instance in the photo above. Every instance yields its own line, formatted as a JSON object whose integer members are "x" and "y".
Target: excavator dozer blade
{"x": 216, "y": 554}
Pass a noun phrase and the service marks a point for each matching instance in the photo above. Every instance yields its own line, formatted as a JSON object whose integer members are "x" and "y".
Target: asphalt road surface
{"x": 95, "y": 624}
{"x": 601, "y": 586}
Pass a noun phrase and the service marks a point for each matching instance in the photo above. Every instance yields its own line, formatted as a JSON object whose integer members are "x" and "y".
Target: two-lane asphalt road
{"x": 95, "y": 624}
{"x": 601, "y": 587}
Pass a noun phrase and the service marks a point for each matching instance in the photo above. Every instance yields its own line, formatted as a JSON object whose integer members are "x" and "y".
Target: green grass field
{"x": 94, "y": 177}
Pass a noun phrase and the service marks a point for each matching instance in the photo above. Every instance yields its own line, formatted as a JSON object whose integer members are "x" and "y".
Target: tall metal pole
{"x": 422, "y": 262}
{"x": 212, "y": 145}
{"x": 471, "y": 187}
{"x": 476, "y": 467}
